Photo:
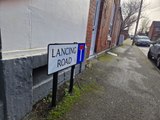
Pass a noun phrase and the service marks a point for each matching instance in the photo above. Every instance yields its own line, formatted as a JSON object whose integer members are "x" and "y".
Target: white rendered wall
{"x": 29, "y": 24}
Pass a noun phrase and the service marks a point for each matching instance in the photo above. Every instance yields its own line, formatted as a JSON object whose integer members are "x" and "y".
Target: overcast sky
{"x": 152, "y": 11}
{"x": 153, "y": 3}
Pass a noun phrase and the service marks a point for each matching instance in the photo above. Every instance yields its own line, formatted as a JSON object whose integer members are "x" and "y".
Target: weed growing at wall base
{"x": 69, "y": 100}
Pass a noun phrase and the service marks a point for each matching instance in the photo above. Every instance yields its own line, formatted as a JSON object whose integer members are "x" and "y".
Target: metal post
{"x": 80, "y": 68}
{"x": 54, "y": 89}
{"x": 138, "y": 18}
{"x": 72, "y": 79}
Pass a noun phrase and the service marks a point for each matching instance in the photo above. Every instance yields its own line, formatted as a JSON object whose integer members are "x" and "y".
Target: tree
{"x": 144, "y": 25}
{"x": 130, "y": 9}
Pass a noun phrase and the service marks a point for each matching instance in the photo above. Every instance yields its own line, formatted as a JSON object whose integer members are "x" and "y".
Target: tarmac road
{"x": 129, "y": 88}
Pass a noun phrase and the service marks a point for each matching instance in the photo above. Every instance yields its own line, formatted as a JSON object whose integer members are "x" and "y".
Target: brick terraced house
{"x": 104, "y": 24}
{"x": 154, "y": 32}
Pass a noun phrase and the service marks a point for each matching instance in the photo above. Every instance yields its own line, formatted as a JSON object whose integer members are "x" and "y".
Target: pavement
{"x": 144, "y": 50}
{"x": 129, "y": 88}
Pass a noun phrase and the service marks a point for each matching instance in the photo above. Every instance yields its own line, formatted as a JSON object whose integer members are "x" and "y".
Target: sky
{"x": 152, "y": 11}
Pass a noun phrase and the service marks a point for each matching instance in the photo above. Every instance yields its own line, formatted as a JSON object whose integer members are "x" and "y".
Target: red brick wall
{"x": 151, "y": 31}
{"x": 106, "y": 9}
{"x": 117, "y": 23}
{"x": 153, "y": 34}
{"x": 103, "y": 25}
{"x": 90, "y": 24}
{"x": 156, "y": 35}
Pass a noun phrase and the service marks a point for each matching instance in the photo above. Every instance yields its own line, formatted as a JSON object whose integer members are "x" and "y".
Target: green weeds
{"x": 69, "y": 100}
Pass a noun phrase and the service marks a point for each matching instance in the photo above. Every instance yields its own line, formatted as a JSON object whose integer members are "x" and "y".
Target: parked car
{"x": 154, "y": 52}
{"x": 131, "y": 37}
{"x": 142, "y": 41}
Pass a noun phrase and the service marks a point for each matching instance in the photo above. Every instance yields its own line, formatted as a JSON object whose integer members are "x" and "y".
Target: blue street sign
{"x": 81, "y": 53}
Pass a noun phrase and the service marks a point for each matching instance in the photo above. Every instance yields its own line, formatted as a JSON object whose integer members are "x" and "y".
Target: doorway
{"x": 95, "y": 26}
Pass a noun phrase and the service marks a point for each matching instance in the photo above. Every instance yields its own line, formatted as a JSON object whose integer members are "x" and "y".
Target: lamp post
{"x": 137, "y": 23}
